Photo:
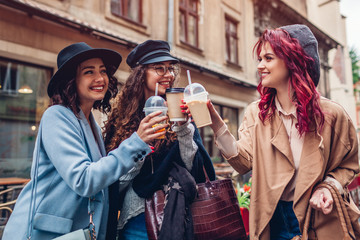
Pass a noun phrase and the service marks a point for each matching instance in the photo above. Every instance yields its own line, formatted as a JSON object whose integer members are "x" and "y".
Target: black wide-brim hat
{"x": 71, "y": 56}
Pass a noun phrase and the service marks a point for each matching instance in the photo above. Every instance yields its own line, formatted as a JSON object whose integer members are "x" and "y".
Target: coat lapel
{"x": 280, "y": 139}
{"x": 311, "y": 169}
{"x": 311, "y": 162}
{"x": 98, "y": 135}
{"x": 92, "y": 146}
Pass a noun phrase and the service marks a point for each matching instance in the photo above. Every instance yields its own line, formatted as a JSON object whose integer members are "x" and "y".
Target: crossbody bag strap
{"x": 306, "y": 223}
{"x": 34, "y": 186}
{"x": 91, "y": 214}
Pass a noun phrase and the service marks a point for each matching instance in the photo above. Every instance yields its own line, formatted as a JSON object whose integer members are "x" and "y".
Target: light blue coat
{"x": 72, "y": 167}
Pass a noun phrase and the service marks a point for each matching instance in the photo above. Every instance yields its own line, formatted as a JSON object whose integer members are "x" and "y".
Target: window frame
{"x": 184, "y": 9}
{"x": 122, "y": 11}
{"x": 16, "y": 61}
{"x": 228, "y": 37}
{"x": 21, "y": 114}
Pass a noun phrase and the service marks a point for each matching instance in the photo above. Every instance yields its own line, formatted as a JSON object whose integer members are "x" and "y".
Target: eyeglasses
{"x": 161, "y": 70}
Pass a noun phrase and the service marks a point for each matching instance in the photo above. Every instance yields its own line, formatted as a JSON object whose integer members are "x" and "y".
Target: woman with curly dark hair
{"x": 292, "y": 139}
{"x": 71, "y": 170}
{"x": 151, "y": 64}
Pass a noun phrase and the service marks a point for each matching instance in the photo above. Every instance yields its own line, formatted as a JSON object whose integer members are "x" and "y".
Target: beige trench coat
{"x": 265, "y": 149}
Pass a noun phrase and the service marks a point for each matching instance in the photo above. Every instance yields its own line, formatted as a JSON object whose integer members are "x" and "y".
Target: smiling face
{"x": 152, "y": 77}
{"x": 272, "y": 70}
{"x": 91, "y": 82}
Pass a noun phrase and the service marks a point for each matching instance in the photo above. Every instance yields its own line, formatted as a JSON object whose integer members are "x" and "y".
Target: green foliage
{"x": 216, "y": 159}
{"x": 243, "y": 194}
{"x": 355, "y": 58}
{"x": 244, "y": 200}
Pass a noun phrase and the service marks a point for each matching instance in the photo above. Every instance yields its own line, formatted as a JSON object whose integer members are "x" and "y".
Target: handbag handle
{"x": 207, "y": 179}
{"x": 32, "y": 211}
{"x": 340, "y": 207}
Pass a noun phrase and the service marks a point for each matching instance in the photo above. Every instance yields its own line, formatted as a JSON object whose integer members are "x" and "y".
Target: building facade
{"x": 213, "y": 39}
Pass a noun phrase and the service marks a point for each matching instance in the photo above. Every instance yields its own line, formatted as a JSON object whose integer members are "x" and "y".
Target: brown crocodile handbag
{"x": 215, "y": 212}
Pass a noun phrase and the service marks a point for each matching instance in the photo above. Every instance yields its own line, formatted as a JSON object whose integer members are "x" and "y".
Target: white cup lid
{"x": 195, "y": 91}
{"x": 155, "y": 101}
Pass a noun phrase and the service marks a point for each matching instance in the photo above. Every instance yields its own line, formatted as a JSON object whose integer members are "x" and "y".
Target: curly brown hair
{"x": 66, "y": 94}
{"x": 127, "y": 113}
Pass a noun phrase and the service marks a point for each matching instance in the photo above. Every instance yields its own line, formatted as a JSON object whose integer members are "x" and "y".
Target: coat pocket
{"x": 52, "y": 223}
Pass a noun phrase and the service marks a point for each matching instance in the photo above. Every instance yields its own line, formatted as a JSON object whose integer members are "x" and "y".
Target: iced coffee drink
{"x": 196, "y": 98}
{"x": 153, "y": 104}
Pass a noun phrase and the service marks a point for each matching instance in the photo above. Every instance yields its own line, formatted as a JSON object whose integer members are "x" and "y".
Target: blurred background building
{"x": 212, "y": 38}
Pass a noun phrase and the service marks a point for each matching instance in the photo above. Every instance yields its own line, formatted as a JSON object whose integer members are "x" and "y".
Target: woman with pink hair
{"x": 292, "y": 139}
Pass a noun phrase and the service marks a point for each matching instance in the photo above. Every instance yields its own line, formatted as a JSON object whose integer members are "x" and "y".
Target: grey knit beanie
{"x": 310, "y": 45}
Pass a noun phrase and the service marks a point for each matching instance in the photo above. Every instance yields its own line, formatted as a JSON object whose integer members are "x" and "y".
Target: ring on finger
{"x": 153, "y": 129}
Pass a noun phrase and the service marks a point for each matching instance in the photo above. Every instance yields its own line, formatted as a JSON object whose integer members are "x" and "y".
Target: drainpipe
{"x": 170, "y": 32}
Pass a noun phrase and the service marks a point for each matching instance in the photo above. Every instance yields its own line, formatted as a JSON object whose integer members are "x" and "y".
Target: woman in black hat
{"x": 71, "y": 170}
{"x": 151, "y": 63}
{"x": 292, "y": 139}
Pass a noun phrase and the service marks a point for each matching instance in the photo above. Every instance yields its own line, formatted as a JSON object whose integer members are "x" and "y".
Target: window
{"x": 23, "y": 98}
{"x": 231, "y": 39}
{"x": 189, "y": 18}
{"x": 128, "y": 9}
{"x": 230, "y": 116}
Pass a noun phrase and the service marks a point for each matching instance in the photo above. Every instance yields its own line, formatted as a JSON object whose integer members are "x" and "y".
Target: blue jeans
{"x": 134, "y": 229}
{"x": 284, "y": 224}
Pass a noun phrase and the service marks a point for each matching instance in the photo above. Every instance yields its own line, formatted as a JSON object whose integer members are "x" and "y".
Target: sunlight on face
{"x": 272, "y": 70}
{"x": 153, "y": 77}
{"x": 91, "y": 81}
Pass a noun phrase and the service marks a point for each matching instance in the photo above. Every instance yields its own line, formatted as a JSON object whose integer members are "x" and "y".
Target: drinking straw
{"x": 156, "y": 89}
{"x": 189, "y": 79}
{"x": 188, "y": 75}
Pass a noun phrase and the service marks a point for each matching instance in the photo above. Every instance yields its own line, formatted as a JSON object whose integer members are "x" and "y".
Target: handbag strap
{"x": 343, "y": 213}
{"x": 206, "y": 175}
{"x": 32, "y": 211}
{"x": 33, "y": 187}
{"x": 340, "y": 207}
{"x": 91, "y": 214}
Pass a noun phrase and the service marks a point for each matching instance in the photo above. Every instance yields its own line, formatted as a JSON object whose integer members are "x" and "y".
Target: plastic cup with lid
{"x": 153, "y": 104}
{"x": 196, "y": 97}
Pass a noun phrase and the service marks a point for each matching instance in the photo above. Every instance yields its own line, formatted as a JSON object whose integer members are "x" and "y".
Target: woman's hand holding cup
{"x": 217, "y": 121}
{"x": 152, "y": 127}
{"x": 184, "y": 110}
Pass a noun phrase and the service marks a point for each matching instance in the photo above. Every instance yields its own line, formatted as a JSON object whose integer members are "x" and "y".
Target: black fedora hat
{"x": 71, "y": 56}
